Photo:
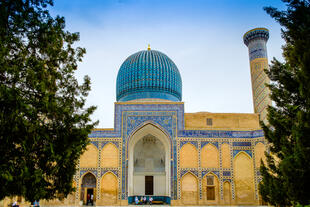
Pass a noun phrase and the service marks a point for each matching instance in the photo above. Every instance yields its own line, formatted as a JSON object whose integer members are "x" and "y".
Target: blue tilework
{"x": 220, "y": 134}
{"x": 134, "y": 120}
{"x": 115, "y": 172}
{"x": 94, "y": 143}
{"x": 82, "y": 172}
{"x": 170, "y": 119}
{"x": 203, "y": 143}
{"x": 204, "y": 172}
{"x": 249, "y": 152}
{"x": 113, "y": 142}
{"x": 258, "y": 33}
{"x": 183, "y": 172}
{"x": 191, "y": 142}
{"x": 148, "y": 74}
{"x": 226, "y": 173}
{"x": 256, "y": 40}
{"x": 241, "y": 144}
{"x": 120, "y": 108}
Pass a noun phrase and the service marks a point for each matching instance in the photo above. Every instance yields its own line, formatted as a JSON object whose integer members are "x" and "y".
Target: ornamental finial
{"x": 149, "y": 47}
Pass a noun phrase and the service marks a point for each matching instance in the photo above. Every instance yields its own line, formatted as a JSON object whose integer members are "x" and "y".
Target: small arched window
{"x": 210, "y": 187}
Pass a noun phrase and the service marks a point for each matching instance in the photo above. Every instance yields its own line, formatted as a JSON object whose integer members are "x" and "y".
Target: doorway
{"x": 90, "y": 196}
{"x": 149, "y": 155}
{"x": 149, "y": 185}
{"x": 88, "y": 188}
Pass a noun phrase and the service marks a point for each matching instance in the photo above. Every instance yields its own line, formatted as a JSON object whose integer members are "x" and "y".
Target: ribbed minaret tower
{"x": 256, "y": 40}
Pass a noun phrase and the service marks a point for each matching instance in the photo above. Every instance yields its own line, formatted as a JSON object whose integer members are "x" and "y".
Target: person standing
{"x": 150, "y": 200}
{"x": 92, "y": 199}
{"x": 88, "y": 199}
{"x": 136, "y": 200}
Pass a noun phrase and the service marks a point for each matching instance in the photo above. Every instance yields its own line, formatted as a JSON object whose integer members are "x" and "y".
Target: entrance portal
{"x": 88, "y": 188}
{"x": 149, "y": 163}
{"x": 148, "y": 185}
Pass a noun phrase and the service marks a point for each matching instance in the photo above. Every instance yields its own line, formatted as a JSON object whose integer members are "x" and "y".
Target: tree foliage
{"x": 44, "y": 124}
{"x": 286, "y": 176}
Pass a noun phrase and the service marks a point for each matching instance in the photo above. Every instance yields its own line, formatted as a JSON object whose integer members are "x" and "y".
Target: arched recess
{"x": 244, "y": 178}
{"x": 109, "y": 156}
{"x": 226, "y": 158}
{"x": 108, "y": 189}
{"x": 162, "y": 184}
{"x": 210, "y": 188}
{"x": 209, "y": 156}
{"x": 88, "y": 186}
{"x": 188, "y": 156}
{"x": 227, "y": 193}
{"x": 259, "y": 151}
{"x": 189, "y": 189}
{"x": 90, "y": 157}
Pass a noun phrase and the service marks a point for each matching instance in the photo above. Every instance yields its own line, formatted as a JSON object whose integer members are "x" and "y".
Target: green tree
{"x": 286, "y": 176}
{"x": 44, "y": 124}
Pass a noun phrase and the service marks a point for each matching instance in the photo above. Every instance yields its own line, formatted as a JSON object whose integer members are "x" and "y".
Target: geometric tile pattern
{"x": 170, "y": 119}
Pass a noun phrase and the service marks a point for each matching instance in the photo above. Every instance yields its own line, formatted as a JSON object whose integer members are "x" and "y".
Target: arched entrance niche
{"x": 149, "y": 162}
{"x": 88, "y": 186}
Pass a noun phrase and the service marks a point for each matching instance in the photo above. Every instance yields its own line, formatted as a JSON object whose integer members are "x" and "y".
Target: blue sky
{"x": 202, "y": 37}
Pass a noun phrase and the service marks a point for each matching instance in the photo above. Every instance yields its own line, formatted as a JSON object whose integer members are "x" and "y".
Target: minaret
{"x": 256, "y": 40}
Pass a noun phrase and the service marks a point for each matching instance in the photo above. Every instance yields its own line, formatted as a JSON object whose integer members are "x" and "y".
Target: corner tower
{"x": 256, "y": 40}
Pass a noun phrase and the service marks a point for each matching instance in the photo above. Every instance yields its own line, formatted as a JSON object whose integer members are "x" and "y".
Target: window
{"x": 209, "y": 121}
{"x": 210, "y": 188}
{"x": 210, "y": 180}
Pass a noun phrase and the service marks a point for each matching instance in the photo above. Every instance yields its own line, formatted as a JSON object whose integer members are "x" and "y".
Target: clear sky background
{"x": 202, "y": 37}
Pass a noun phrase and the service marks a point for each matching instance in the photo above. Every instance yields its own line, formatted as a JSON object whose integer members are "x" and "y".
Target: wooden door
{"x": 149, "y": 185}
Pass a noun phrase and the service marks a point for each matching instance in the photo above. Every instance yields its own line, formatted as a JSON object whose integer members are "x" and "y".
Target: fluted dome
{"x": 148, "y": 74}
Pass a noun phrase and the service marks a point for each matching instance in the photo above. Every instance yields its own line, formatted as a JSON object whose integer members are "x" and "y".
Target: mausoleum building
{"x": 179, "y": 158}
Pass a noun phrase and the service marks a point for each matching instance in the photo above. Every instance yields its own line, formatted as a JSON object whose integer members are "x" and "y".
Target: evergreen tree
{"x": 286, "y": 176}
{"x": 44, "y": 124}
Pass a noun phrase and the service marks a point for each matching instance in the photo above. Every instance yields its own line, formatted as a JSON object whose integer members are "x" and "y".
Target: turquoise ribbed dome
{"x": 148, "y": 74}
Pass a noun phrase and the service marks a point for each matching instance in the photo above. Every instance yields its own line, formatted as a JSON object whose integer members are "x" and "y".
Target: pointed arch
{"x": 209, "y": 156}
{"x": 226, "y": 156}
{"x": 149, "y": 129}
{"x": 210, "y": 188}
{"x": 143, "y": 127}
{"x": 88, "y": 181}
{"x": 108, "y": 189}
{"x": 189, "y": 189}
{"x": 227, "y": 192}
{"x": 89, "y": 158}
{"x": 85, "y": 173}
{"x": 188, "y": 156}
{"x": 109, "y": 156}
{"x": 244, "y": 178}
{"x": 259, "y": 151}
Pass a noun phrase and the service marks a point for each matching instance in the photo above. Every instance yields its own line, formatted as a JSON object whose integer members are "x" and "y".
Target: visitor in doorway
{"x": 141, "y": 200}
{"x": 150, "y": 200}
{"x": 136, "y": 200}
{"x": 92, "y": 199}
{"x": 88, "y": 199}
